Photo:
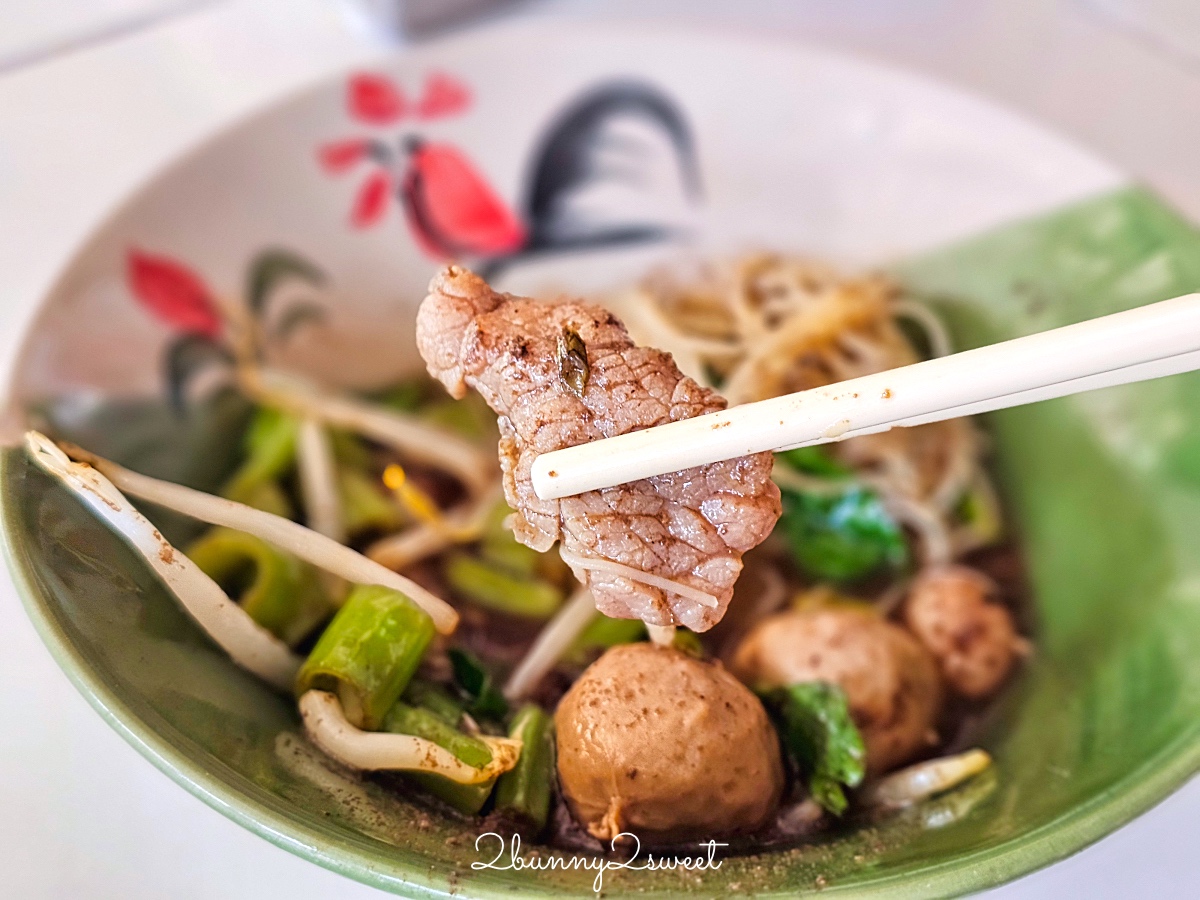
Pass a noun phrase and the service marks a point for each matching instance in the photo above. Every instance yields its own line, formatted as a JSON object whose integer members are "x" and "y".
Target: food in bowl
{"x": 370, "y": 556}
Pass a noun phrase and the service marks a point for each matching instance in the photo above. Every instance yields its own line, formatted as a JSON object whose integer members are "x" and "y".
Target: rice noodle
{"x": 551, "y": 643}
{"x": 620, "y": 570}
{"x": 787, "y": 477}
{"x": 318, "y": 481}
{"x": 870, "y": 354}
{"x": 327, "y": 727}
{"x": 960, "y": 471}
{"x": 648, "y": 325}
{"x": 661, "y": 635}
{"x": 314, "y": 548}
{"x": 767, "y": 325}
{"x": 933, "y": 532}
{"x": 939, "y": 338}
{"x": 248, "y": 644}
{"x": 768, "y": 359}
{"x": 419, "y": 440}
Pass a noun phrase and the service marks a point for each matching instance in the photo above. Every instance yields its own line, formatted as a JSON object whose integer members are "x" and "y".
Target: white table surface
{"x": 81, "y": 814}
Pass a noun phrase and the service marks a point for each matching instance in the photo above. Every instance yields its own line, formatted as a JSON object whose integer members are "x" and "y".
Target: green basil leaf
{"x": 843, "y": 536}
{"x": 475, "y": 681}
{"x": 814, "y": 721}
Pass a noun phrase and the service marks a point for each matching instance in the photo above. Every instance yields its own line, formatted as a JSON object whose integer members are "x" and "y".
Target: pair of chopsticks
{"x": 1136, "y": 345}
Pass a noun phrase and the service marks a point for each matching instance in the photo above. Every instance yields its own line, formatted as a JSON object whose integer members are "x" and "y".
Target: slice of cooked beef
{"x": 527, "y": 360}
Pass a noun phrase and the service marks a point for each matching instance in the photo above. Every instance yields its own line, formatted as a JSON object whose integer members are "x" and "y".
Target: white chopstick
{"x": 1135, "y": 345}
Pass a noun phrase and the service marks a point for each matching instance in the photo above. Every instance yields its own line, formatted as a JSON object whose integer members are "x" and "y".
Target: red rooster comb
{"x": 442, "y": 96}
{"x": 375, "y": 100}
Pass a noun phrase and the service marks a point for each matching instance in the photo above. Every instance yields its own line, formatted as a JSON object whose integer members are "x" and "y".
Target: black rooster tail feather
{"x": 183, "y": 359}
{"x": 586, "y": 148}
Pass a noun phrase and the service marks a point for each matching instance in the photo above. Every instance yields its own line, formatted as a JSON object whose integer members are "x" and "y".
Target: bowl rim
{"x": 1136, "y": 792}
{"x": 1139, "y": 790}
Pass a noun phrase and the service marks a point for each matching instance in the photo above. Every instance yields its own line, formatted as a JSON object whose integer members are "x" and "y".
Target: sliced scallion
{"x": 422, "y": 723}
{"x": 368, "y": 653}
{"x": 278, "y": 591}
{"x": 270, "y": 443}
{"x": 494, "y": 588}
{"x": 524, "y": 793}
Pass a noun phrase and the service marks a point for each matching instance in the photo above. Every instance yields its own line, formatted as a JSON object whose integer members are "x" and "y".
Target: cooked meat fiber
{"x": 527, "y": 360}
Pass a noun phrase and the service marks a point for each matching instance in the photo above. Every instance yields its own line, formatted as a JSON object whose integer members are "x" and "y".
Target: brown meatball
{"x": 891, "y": 681}
{"x": 660, "y": 744}
{"x": 951, "y": 611}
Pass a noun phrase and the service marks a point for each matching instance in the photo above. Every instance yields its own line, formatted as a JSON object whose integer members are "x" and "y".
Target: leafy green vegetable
{"x": 470, "y": 417}
{"x": 842, "y": 536}
{"x": 814, "y": 461}
{"x": 404, "y": 396}
{"x": 364, "y": 505}
{"x": 977, "y": 508}
{"x": 349, "y": 450}
{"x": 270, "y": 444}
{"x": 501, "y": 547}
{"x": 435, "y": 698}
{"x": 476, "y": 682}
{"x": 573, "y": 369}
{"x": 505, "y": 575}
{"x": 688, "y": 642}
{"x": 714, "y": 376}
{"x": 814, "y": 721}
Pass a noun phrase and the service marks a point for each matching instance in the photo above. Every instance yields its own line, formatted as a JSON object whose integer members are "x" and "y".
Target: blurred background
{"x": 96, "y": 94}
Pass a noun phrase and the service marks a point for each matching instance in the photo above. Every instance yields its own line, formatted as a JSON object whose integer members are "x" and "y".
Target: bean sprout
{"x": 318, "y": 481}
{"x": 249, "y": 644}
{"x": 403, "y": 549}
{"x": 435, "y": 446}
{"x": 916, "y": 783}
{"x": 328, "y": 728}
{"x": 551, "y": 643}
{"x": 314, "y": 548}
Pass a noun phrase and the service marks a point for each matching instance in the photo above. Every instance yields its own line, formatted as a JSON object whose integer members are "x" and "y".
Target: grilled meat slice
{"x": 560, "y": 374}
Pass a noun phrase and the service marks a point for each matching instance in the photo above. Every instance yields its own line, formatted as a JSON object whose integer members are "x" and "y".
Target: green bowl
{"x": 1102, "y": 494}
